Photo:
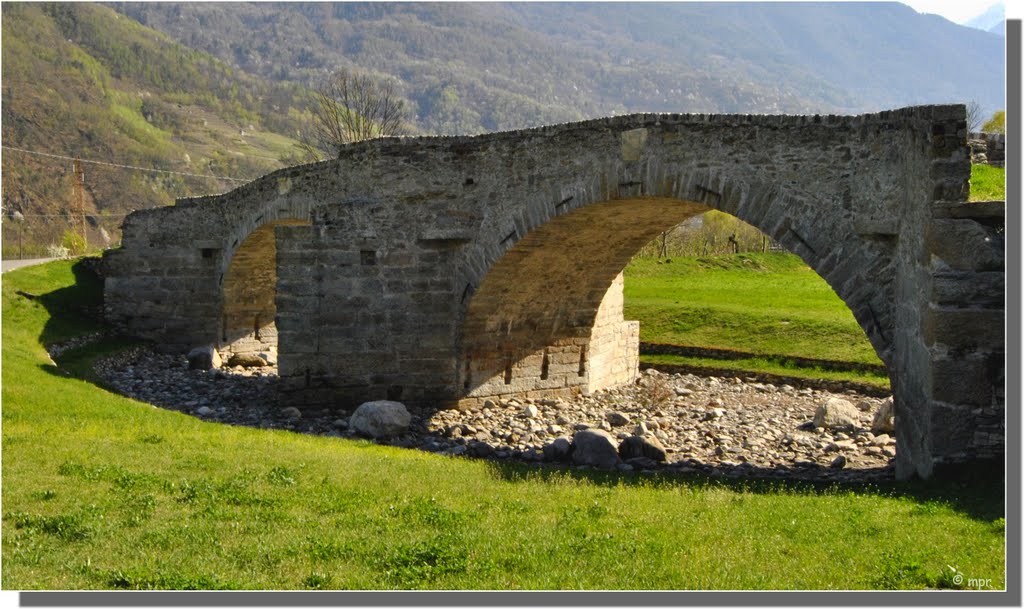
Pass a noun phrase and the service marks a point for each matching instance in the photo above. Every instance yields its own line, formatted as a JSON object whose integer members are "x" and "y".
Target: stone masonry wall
{"x": 607, "y": 357}
{"x": 363, "y": 315}
{"x": 548, "y": 313}
{"x": 166, "y": 282}
{"x": 988, "y": 148}
{"x": 964, "y": 330}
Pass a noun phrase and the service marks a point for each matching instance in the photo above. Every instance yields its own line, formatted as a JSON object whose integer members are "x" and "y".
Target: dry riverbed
{"x": 728, "y": 427}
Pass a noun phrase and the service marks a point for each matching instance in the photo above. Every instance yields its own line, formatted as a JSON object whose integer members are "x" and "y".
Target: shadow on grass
{"x": 976, "y": 489}
{"x": 75, "y": 309}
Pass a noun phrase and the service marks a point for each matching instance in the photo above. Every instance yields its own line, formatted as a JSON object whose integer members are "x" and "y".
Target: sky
{"x": 959, "y": 11}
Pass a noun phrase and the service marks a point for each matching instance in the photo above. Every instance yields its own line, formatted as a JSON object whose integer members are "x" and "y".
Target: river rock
{"x": 595, "y": 447}
{"x": 559, "y": 450}
{"x": 616, "y": 419}
{"x": 380, "y": 419}
{"x": 642, "y": 446}
{"x": 885, "y": 418}
{"x": 480, "y": 449}
{"x": 714, "y": 413}
{"x": 203, "y": 358}
{"x": 247, "y": 360}
{"x": 759, "y": 426}
{"x": 836, "y": 413}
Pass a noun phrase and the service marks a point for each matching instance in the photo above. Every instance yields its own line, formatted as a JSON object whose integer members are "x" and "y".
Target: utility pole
{"x": 19, "y": 218}
{"x": 80, "y": 197}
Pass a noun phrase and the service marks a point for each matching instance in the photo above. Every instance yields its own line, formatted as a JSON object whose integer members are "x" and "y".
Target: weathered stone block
{"x": 970, "y": 329}
{"x": 967, "y": 289}
{"x": 963, "y": 381}
{"x": 965, "y": 245}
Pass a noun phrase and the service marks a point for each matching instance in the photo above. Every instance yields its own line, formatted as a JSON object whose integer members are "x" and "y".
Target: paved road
{"x": 10, "y": 265}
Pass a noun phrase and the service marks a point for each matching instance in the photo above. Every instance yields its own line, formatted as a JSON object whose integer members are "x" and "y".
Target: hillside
{"x": 82, "y": 80}
{"x": 216, "y": 89}
{"x": 472, "y": 67}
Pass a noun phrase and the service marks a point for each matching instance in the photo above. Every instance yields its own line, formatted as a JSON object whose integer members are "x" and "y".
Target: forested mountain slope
{"x": 80, "y": 80}
{"x": 472, "y": 67}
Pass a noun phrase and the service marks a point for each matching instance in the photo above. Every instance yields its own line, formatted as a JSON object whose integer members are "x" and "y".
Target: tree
{"x": 974, "y": 117}
{"x": 996, "y": 124}
{"x": 349, "y": 107}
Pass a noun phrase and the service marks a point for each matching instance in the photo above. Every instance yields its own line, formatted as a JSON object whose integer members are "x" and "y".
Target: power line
{"x": 68, "y": 158}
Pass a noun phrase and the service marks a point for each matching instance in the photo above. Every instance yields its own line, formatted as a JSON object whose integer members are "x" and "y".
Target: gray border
{"x": 943, "y": 598}
{"x": 1013, "y": 311}
{"x": 1010, "y": 597}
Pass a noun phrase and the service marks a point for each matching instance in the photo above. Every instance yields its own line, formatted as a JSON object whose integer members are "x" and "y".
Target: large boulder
{"x": 837, "y": 413}
{"x": 380, "y": 419}
{"x": 203, "y": 358}
{"x": 642, "y": 446}
{"x": 885, "y": 418}
{"x": 595, "y": 447}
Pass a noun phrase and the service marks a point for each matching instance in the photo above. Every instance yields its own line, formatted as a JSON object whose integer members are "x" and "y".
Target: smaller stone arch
{"x": 249, "y": 295}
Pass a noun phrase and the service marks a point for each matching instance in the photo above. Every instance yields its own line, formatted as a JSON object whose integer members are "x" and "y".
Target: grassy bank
{"x": 766, "y": 304}
{"x": 104, "y": 492}
{"x": 768, "y": 365}
{"x": 988, "y": 183}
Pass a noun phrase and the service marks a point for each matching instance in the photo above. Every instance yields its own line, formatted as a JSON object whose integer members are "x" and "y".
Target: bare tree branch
{"x": 974, "y": 117}
{"x": 349, "y": 107}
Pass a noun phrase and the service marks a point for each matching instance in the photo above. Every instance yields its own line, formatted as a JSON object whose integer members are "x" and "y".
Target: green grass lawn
{"x": 988, "y": 183}
{"x": 100, "y": 491}
{"x": 766, "y": 304}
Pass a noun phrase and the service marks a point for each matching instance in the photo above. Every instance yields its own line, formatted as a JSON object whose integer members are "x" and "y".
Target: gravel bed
{"x": 722, "y": 427}
{"x": 58, "y": 349}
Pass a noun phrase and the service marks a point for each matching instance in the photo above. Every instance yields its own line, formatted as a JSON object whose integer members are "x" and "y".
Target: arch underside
{"x": 547, "y": 319}
{"x": 249, "y": 295}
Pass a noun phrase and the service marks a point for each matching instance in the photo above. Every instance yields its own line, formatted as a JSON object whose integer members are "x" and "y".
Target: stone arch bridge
{"x": 452, "y": 269}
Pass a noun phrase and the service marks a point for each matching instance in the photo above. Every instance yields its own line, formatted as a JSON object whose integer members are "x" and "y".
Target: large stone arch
{"x": 549, "y": 300}
{"x": 547, "y": 319}
{"x": 388, "y": 285}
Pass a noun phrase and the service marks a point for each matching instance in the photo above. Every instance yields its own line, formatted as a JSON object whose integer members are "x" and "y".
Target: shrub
{"x": 57, "y": 251}
{"x": 73, "y": 242}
